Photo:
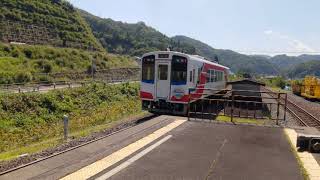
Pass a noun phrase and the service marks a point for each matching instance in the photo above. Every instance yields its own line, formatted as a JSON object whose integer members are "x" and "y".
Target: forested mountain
{"x": 40, "y": 37}
{"x": 285, "y": 62}
{"x": 45, "y": 22}
{"x": 58, "y": 23}
{"x": 133, "y": 39}
{"x": 236, "y": 61}
{"x": 303, "y": 69}
{"x": 136, "y": 39}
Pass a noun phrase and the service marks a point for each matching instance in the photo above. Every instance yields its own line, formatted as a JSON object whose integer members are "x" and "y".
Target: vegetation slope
{"x": 25, "y": 63}
{"x": 34, "y": 117}
{"x": 303, "y": 69}
{"x": 136, "y": 39}
{"x": 57, "y": 18}
{"x": 133, "y": 39}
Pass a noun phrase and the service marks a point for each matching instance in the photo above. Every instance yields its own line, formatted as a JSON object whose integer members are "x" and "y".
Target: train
{"x": 168, "y": 78}
{"x": 308, "y": 88}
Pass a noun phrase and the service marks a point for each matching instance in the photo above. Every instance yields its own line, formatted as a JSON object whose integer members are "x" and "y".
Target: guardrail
{"x": 47, "y": 86}
{"x": 75, "y": 79}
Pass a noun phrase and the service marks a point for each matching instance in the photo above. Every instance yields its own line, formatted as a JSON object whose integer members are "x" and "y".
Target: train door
{"x": 163, "y": 80}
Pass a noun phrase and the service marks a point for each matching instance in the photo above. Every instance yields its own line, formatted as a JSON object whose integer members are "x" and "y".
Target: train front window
{"x": 148, "y": 66}
{"x": 163, "y": 72}
{"x": 179, "y": 70}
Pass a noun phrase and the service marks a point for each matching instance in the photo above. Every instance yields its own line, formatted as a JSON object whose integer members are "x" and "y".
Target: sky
{"x": 248, "y": 26}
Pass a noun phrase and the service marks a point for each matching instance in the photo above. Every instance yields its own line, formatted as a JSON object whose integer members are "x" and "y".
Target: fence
{"x": 75, "y": 79}
{"x": 210, "y": 103}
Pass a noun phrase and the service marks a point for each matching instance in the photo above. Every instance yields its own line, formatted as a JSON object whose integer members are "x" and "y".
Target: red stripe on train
{"x": 184, "y": 98}
{"x": 146, "y": 95}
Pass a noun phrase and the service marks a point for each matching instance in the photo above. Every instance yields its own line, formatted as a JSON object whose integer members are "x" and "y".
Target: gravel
{"x": 290, "y": 121}
{"x": 22, "y": 160}
{"x": 311, "y": 107}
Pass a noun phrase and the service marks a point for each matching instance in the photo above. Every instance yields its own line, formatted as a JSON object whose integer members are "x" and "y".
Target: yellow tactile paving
{"x": 117, "y": 156}
{"x": 307, "y": 159}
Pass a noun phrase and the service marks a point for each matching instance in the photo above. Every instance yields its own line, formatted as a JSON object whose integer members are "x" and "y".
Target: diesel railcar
{"x": 167, "y": 77}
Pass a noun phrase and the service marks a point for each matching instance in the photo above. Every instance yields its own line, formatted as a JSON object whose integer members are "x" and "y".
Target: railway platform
{"x": 169, "y": 147}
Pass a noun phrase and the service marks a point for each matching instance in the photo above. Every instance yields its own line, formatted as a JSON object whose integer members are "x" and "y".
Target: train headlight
{"x": 178, "y": 93}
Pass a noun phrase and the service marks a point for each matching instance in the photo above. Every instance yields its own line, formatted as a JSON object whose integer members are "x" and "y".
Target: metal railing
{"x": 207, "y": 103}
{"x": 47, "y": 86}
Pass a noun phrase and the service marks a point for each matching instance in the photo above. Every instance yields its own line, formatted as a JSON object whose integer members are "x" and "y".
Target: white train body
{"x": 167, "y": 76}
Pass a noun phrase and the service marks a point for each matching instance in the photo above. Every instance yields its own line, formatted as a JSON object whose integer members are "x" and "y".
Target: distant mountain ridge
{"x": 286, "y": 62}
{"x": 236, "y": 61}
{"x": 136, "y": 39}
{"x": 57, "y": 23}
{"x": 303, "y": 69}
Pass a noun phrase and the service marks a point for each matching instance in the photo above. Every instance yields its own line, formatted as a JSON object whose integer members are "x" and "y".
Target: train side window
{"x": 208, "y": 75}
{"x": 199, "y": 75}
{"x": 219, "y": 76}
{"x": 193, "y": 75}
{"x": 213, "y": 76}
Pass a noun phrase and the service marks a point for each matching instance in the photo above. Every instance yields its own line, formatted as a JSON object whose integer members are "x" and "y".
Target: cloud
{"x": 294, "y": 44}
{"x": 268, "y": 32}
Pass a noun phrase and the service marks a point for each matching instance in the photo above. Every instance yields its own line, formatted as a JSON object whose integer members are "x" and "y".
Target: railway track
{"x": 135, "y": 122}
{"x": 304, "y": 117}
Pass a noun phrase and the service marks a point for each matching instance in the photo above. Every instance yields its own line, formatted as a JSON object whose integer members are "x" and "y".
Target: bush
{"x": 33, "y": 117}
{"x": 22, "y": 77}
{"x": 43, "y": 59}
{"x": 47, "y": 68}
{"x": 28, "y": 53}
{"x": 279, "y": 82}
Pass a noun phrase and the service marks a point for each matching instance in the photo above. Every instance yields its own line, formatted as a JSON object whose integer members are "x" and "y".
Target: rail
{"x": 303, "y": 116}
{"x": 206, "y": 103}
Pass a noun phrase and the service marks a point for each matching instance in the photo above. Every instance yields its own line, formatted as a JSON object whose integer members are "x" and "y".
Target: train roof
{"x": 196, "y": 57}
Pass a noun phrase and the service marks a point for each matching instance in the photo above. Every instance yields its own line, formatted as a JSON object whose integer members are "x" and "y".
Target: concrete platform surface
{"x": 170, "y": 148}
{"x": 215, "y": 151}
{"x": 310, "y": 161}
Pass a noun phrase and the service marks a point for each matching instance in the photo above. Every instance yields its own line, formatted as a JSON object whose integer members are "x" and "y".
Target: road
{"x": 170, "y": 147}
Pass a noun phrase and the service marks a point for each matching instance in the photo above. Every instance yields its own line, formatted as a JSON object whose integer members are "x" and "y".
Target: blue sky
{"x": 248, "y": 26}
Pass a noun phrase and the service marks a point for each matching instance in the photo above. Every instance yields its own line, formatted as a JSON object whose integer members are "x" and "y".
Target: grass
{"x": 277, "y": 89}
{"x": 57, "y": 18}
{"x": 29, "y": 63}
{"x": 293, "y": 150}
{"x": 33, "y": 118}
{"x": 53, "y": 142}
{"x": 240, "y": 120}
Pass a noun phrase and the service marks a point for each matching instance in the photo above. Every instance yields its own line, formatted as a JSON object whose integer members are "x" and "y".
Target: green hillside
{"x": 303, "y": 69}
{"x": 287, "y": 62}
{"x": 58, "y": 23}
{"x": 25, "y": 63}
{"x": 45, "y": 22}
{"x": 133, "y": 39}
{"x": 136, "y": 39}
{"x": 236, "y": 61}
